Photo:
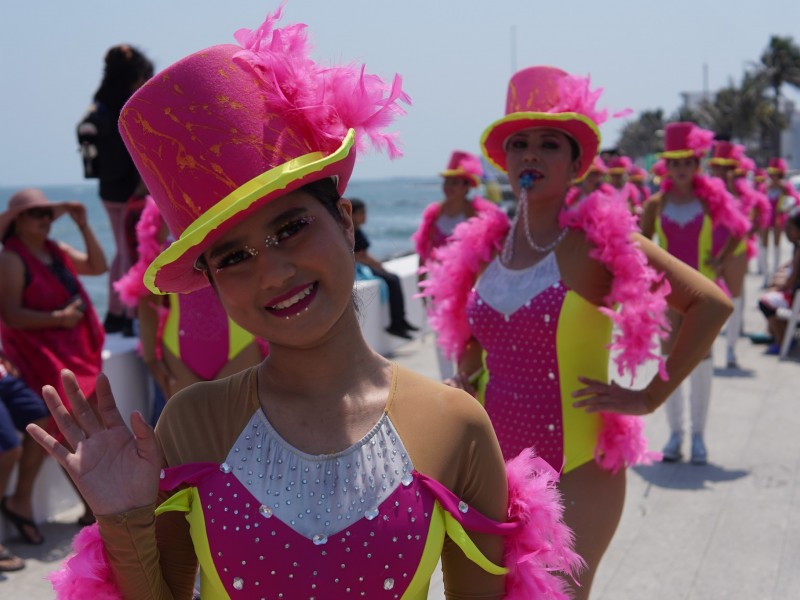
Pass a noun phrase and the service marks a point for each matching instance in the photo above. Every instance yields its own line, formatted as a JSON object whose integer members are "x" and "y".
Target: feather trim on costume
{"x": 638, "y": 290}
{"x": 754, "y": 204}
{"x": 423, "y": 237}
{"x": 452, "y": 272}
{"x": 86, "y": 572}
{"x": 622, "y": 443}
{"x": 130, "y": 286}
{"x": 543, "y": 547}
{"x": 719, "y": 202}
{"x": 321, "y": 102}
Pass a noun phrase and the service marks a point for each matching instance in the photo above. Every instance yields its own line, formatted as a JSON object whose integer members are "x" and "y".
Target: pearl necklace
{"x": 508, "y": 248}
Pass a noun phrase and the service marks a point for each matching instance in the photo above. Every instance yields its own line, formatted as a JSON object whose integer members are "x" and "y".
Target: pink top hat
{"x": 760, "y": 175}
{"x": 619, "y": 165}
{"x": 725, "y": 155}
{"x": 227, "y": 129}
{"x": 547, "y": 97}
{"x": 598, "y": 166}
{"x": 776, "y": 165}
{"x": 636, "y": 174}
{"x": 25, "y": 200}
{"x": 684, "y": 140}
{"x": 466, "y": 165}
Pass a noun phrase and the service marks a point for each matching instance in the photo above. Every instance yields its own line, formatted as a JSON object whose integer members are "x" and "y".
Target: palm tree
{"x": 780, "y": 64}
{"x": 640, "y": 138}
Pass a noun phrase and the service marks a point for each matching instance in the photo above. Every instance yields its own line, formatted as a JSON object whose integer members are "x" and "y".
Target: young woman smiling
{"x": 540, "y": 295}
{"x": 326, "y": 470}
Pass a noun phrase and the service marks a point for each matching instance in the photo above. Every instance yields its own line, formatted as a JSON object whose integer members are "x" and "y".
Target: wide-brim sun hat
{"x": 465, "y": 165}
{"x": 224, "y": 131}
{"x": 683, "y": 139}
{"x": 544, "y": 96}
{"x": 27, "y": 199}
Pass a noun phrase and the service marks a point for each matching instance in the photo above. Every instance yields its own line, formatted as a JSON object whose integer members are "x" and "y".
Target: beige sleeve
{"x": 153, "y": 558}
{"x": 450, "y": 439}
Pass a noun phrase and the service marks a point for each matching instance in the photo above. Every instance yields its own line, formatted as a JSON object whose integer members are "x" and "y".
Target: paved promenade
{"x": 729, "y": 530}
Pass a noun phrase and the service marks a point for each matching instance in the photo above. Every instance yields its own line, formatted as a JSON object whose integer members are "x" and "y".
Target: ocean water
{"x": 394, "y": 208}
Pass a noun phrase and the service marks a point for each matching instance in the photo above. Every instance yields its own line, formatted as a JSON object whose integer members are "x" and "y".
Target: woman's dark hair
{"x": 325, "y": 191}
{"x": 357, "y": 204}
{"x": 125, "y": 67}
{"x": 574, "y": 148}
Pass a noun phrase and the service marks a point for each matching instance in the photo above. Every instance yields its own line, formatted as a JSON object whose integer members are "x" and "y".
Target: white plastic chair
{"x": 792, "y": 317}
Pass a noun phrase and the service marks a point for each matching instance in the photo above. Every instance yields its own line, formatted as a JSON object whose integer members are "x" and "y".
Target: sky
{"x": 455, "y": 58}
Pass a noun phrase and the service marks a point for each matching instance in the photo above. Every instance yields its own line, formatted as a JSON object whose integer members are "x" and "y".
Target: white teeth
{"x": 293, "y": 300}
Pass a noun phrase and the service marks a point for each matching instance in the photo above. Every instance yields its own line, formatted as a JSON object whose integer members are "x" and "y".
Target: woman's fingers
{"x": 146, "y": 445}
{"x": 82, "y": 411}
{"x": 106, "y": 405}
{"x": 72, "y": 432}
{"x": 49, "y": 443}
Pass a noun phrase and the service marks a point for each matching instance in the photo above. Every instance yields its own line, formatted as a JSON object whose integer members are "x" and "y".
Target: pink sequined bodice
{"x": 523, "y": 395}
{"x": 683, "y": 236}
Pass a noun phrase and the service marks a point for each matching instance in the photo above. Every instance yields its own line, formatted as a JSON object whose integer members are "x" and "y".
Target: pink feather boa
{"x": 636, "y": 287}
{"x": 754, "y": 204}
{"x": 86, "y": 573}
{"x": 720, "y": 204}
{"x": 130, "y": 286}
{"x": 452, "y": 272}
{"x": 544, "y": 545}
{"x": 423, "y": 236}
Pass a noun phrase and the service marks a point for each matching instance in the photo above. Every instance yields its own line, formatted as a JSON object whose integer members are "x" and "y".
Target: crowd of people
{"x": 290, "y": 456}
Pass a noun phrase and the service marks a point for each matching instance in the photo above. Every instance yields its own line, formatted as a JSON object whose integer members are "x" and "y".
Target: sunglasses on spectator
{"x": 40, "y": 212}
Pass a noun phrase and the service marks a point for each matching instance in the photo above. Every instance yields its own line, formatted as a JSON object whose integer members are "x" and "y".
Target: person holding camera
{"x": 47, "y": 321}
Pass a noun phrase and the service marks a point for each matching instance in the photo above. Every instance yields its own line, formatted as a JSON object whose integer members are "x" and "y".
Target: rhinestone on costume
{"x": 407, "y": 479}
{"x": 225, "y": 468}
{"x": 238, "y": 583}
{"x": 162, "y": 474}
{"x": 265, "y": 511}
{"x": 388, "y": 583}
{"x": 320, "y": 539}
{"x": 463, "y": 507}
{"x": 371, "y": 513}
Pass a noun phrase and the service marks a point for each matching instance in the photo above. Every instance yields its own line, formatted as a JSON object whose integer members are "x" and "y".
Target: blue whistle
{"x": 526, "y": 181}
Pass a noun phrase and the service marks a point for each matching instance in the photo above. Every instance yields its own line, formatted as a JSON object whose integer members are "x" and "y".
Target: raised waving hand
{"x": 116, "y": 469}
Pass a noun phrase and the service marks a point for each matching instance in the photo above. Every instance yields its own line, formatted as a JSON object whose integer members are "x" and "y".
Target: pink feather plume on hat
{"x": 322, "y": 102}
{"x": 700, "y": 140}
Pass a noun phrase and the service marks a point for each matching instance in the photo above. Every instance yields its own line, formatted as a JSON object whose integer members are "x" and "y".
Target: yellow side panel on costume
{"x": 703, "y": 245}
{"x": 188, "y": 501}
{"x": 170, "y": 333}
{"x": 581, "y": 340}
{"x": 238, "y": 339}
{"x": 704, "y": 249}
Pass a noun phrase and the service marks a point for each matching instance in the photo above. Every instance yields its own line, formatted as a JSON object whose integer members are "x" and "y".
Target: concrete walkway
{"x": 729, "y": 530}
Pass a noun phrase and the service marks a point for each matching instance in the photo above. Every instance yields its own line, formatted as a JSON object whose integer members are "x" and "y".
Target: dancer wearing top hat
{"x": 618, "y": 168}
{"x": 684, "y": 214}
{"x": 326, "y": 471}
{"x": 439, "y": 219}
{"x": 725, "y": 161}
{"x": 528, "y": 308}
{"x": 637, "y": 177}
{"x": 782, "y": 197}
{"x": 593, "y": 181}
